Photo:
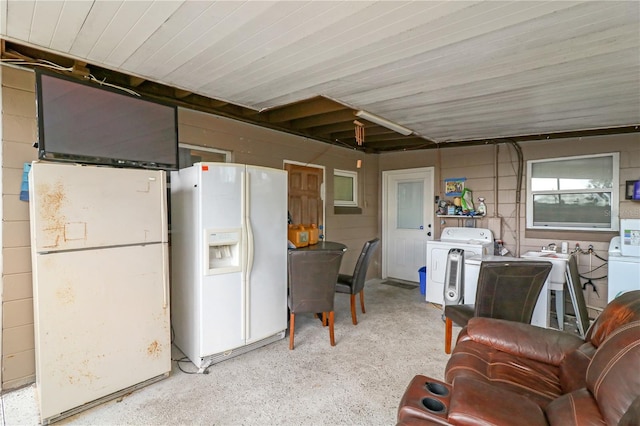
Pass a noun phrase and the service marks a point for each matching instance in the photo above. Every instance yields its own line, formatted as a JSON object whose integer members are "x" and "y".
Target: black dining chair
{"x": 506, "y": 290}
{"x": 354, "y": 284}
{"x": 312, "y": 278}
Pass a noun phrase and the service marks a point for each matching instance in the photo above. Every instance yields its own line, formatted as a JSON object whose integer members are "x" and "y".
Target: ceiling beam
{"x": 369, "y": 131}
{"x": 323, "y": 119}
{"x": 80, "y": 69}
{"x": 333, "y": 128}
{"x": 181, "y": 94}
{"x": 316, "y": 106}
{"x": 408, "y": 144}
{"x": 136, "y": 81}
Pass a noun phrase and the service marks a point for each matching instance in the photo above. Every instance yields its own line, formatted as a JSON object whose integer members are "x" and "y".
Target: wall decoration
{"x": 453, "y": 187}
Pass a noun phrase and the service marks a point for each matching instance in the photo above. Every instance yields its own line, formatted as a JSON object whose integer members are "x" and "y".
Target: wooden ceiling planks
{"x": 451, "y": 71}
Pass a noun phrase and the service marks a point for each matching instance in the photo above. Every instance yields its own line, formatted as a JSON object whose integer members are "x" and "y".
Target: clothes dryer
{"x": 623, "y": 270}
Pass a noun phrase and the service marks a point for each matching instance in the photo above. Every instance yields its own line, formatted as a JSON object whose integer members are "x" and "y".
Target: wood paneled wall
{"x": 19, "y": 132}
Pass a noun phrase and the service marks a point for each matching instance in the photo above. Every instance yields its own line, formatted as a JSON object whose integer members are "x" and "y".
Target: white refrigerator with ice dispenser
{"x": 228, "y": 259}
{"x": 100, "y": 283}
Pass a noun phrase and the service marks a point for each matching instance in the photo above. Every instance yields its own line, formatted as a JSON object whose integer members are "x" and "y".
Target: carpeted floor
{"x": 357, "y": 382}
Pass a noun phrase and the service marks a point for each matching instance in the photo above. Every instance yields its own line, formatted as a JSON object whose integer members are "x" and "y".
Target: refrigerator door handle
{"x": 250, "y": 248}
{"x": 245, "y": 254}
{"x": 250, "y": 245}
{"x": 165, "y": 276}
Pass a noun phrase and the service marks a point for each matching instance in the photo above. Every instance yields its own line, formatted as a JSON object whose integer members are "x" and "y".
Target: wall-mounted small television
{"x": 84, "y": 122}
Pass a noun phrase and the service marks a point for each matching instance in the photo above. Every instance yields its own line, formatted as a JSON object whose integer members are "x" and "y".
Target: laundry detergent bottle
{"x": 482, "y": 208}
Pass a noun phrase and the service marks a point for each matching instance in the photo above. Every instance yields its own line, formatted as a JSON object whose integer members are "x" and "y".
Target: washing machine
{"x": 541, "y": 314}
{"x": 624, "y": 259}
{"x": 474, "y": 242}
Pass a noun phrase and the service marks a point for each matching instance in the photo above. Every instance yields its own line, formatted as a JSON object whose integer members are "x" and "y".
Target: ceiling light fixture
{"x": 384, "y": 122}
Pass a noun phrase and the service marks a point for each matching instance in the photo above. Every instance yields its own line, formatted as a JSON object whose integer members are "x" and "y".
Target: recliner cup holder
{"x": 436, "y": 388}
{"x": 433, "y": 405}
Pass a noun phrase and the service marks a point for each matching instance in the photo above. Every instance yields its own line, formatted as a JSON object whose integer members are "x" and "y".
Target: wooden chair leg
{"x": 448, "y": 328}
{"x": 332, "y": 337}
{"x": 354, "y": 319}
{"x": 362, "y": 301}
{"x": 292, "y": 326}
{"x": 324, "y": 319}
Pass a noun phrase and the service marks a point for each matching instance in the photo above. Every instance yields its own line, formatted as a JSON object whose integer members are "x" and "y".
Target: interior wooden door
{"x": 305, "y": 194}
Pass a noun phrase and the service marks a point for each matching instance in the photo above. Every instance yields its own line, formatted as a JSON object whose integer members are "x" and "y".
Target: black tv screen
{"x": 86, "y": 123}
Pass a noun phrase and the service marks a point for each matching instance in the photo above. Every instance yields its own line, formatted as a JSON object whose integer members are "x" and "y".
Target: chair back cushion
{"x": 621, "y": 310}
{"x": 362, "y": 265}
{"x": 509, "y": 290}
{"x": 613, "y": 377}
{"x": 312, "y": 279}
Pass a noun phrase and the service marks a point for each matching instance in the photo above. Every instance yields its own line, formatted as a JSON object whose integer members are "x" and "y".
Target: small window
{"x": 573, "y": 193}
{"x": 345, "y": 188}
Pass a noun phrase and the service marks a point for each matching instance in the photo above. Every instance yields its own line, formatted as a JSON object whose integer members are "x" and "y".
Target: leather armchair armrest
{"x": 474, "y": 402}
{"x": 524, "y": 340}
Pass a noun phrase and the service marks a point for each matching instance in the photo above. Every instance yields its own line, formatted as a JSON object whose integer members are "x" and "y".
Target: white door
{"x": 407, "y": 222}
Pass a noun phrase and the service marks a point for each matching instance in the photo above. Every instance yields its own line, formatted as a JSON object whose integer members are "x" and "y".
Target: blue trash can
{"x": 423, "y": 279}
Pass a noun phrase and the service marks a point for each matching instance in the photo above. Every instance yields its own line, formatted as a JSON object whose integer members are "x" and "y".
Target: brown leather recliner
{"x": 506, "y": 373}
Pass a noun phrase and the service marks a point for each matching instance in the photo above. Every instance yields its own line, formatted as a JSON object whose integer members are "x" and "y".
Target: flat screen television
{"x": 83, "y": 122}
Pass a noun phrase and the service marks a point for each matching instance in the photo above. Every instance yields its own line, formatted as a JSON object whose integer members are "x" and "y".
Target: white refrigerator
{"x": 228, "y": 259}
{"x": 100, "y": 283}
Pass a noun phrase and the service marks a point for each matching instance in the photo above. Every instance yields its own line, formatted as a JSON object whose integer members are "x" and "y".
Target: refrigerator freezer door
{"x": 101, "y": 323}
{"x": 80, "y": 207}
{"x": 221, "y": 192}
{"x": 267, "y": 252}
{"x": 222, "y": 310}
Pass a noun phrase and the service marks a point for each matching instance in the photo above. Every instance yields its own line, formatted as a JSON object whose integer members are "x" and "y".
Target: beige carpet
{"x": 357, "y": 382}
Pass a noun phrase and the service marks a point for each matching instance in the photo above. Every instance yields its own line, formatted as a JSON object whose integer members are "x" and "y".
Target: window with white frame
{"x": 345, "y": 188}
{"x": 574, "y": 193}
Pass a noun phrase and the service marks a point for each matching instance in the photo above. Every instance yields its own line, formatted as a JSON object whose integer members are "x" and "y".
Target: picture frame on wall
{"x": 453, "y": 187}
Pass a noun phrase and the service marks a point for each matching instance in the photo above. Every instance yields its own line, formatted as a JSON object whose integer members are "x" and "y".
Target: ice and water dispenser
{"x": 222, "y": 251}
